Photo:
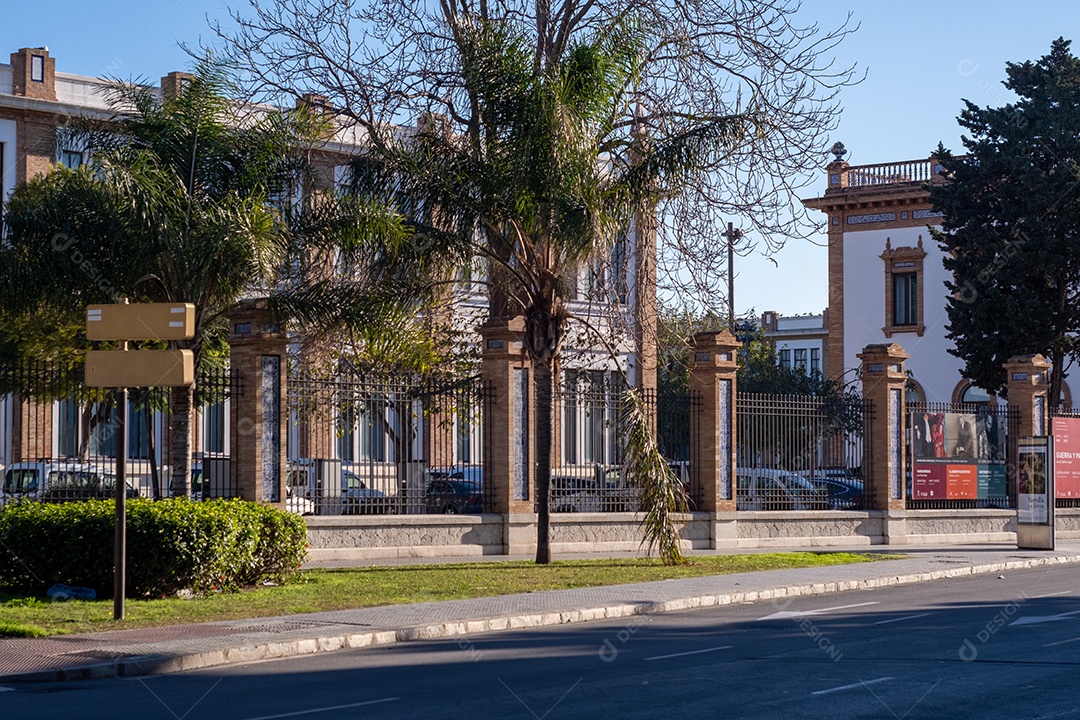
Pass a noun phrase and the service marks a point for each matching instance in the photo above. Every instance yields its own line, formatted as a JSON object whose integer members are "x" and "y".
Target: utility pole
{"x": 732, "y": 235}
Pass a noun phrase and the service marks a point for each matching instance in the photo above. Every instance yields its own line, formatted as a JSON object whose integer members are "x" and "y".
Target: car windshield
{"x": 71, "y": 479}
{"x": 21, "y": 480}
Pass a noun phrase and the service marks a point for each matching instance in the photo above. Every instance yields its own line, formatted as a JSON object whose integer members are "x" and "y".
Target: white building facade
{"x": 886, "y": 276}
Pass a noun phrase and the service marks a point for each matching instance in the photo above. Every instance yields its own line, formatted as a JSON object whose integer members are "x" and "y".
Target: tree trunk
{"x": 181, "y": 406}
{"x": 542, "y": 389}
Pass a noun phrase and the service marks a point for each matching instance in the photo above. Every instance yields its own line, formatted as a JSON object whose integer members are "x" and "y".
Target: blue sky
{"x": 921, "y": 58}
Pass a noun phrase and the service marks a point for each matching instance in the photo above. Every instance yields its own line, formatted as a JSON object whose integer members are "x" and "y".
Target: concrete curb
{"x": 160, "y": 664}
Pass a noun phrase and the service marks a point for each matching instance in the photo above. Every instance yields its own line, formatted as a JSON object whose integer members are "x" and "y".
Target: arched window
{"x": 975, "y": 395}
{"x": 913, "y": 392}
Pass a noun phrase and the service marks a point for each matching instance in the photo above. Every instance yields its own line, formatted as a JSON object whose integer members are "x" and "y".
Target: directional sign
{"x": 139, "y": 368}
{"x": 141, "y": 321}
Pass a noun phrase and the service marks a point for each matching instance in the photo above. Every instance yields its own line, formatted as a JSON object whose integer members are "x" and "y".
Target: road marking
{"x": 1036, "y": 619}
{"x": 692, "y": 652}
{"x": 1063, "y": 592}
{"x": 909, "y": 617}
{"x": 852, "y": 686}
{"x": 789, "y": 614}
{"x": 1061, "y": 642}
{"x": 325, "y": 709}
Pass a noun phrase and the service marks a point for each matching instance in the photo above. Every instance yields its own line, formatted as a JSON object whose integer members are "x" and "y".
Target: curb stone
{"x": 133, "y": 666}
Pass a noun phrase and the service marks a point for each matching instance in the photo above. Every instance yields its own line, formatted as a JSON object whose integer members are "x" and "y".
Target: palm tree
{"x": 185, "y": 200}
{"x": 538, "y": 184}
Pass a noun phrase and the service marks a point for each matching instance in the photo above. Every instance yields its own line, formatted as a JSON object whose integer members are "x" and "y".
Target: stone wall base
{"x": 434, "y": 536}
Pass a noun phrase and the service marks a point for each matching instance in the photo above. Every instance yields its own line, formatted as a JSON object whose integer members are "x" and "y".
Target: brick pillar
{"x": 713, "y": 367}
{"x": 173, "y": 83}
{"x": 259, "y": 415}
{"x": 1026, "y": 382}
{"x": 508, "y": 431}
{"x": 33, "y": 74}
{"x": 883, "y": 381}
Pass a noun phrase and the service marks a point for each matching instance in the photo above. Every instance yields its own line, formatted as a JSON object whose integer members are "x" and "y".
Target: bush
{"x": 172, "y": 545}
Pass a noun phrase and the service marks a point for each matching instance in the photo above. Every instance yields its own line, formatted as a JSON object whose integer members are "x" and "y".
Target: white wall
{"x": 7, "y": 141}
{"x": 864, "y": 308}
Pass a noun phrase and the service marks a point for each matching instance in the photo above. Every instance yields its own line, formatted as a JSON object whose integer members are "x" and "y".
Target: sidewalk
{"x": 186, "y": 647}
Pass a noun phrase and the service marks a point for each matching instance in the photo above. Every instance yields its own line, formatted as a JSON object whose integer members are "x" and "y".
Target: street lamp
{"x": 732, "y": 235}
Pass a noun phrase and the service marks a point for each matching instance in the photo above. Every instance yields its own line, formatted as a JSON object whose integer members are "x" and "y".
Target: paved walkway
{"x": 186, "y": 647}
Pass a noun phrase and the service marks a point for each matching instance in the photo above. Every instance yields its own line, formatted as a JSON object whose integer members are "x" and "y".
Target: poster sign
{"x": 958, "y": 456}
{"x": 1035, "y": 493}
{"x": 1066, "y": 432}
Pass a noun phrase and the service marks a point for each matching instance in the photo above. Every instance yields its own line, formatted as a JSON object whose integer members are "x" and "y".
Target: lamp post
{"x": 732, "y": 235}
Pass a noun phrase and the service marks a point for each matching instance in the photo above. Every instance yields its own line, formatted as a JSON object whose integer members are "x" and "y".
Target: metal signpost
{"x": 125, "y": 368}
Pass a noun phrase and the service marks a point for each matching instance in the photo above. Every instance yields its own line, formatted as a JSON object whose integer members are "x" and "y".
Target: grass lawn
{"x": 317, "y": 590}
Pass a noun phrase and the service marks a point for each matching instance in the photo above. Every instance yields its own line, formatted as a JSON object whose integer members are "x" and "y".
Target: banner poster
{"x": 958, "y": 456}
{"x": 1066, "y": 432}
{"x": 1032, "y": 495}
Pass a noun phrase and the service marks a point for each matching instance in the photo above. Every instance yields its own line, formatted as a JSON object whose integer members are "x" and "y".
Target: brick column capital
{"x": 1027, "y": 384}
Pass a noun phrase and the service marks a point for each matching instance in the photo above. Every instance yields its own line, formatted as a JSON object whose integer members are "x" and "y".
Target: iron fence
{"x": 59, "y": 439}
{"x": 378, "y": 444}
{"x": 802, "y": 452}
{"x": 961, "y": 455}
{"x": 591, "y": 418}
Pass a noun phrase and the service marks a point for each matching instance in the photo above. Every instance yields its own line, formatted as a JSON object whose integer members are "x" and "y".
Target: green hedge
{"x": 172, "y": 545}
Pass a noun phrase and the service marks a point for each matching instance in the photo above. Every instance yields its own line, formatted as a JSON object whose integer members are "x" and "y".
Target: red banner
{"x": 1066, "y": 456}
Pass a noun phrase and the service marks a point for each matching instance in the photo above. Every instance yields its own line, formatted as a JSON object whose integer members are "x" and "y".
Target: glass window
{"x": 214, "y": 425}
{"x": 71, "y": 159}
{"x": 68, "y": 431}
{"x": 975, "y": 394}
{"x": 800, "y": 359}
{"x": 620, "y": 269}
{"x": 785, "y": 358}
{"x": 139, "y": 426}
{"x": 905, "y": 299}
{"x": 37, "y": 68}
{"x": 815, "y": 359}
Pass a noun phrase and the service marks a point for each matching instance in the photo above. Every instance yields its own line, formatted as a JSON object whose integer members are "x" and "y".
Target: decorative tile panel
{"x": 875, "y": 218}
{"x": 271, "y": 428}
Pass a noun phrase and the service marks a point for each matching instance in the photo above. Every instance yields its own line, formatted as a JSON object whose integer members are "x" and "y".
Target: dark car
{"x": 453, "y": 496}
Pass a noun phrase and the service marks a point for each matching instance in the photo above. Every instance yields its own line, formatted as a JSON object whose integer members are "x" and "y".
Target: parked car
{"x": 774, "y": 489}
{"x": 606, "y": 491}
{"x": 351, "y": 497}
{"x": 843, "y": 491}
{"x": 454, "y": 496}
{"x": 59, "y": 481}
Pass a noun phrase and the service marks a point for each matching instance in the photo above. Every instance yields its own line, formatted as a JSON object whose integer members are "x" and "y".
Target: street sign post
{"x": 122, "y": 369}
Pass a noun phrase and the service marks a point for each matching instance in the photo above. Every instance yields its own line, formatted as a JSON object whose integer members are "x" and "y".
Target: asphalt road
{"x": 978, "y": 647}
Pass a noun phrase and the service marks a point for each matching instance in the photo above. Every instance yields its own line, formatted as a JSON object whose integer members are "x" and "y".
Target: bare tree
{"x": 381, "y": 62}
